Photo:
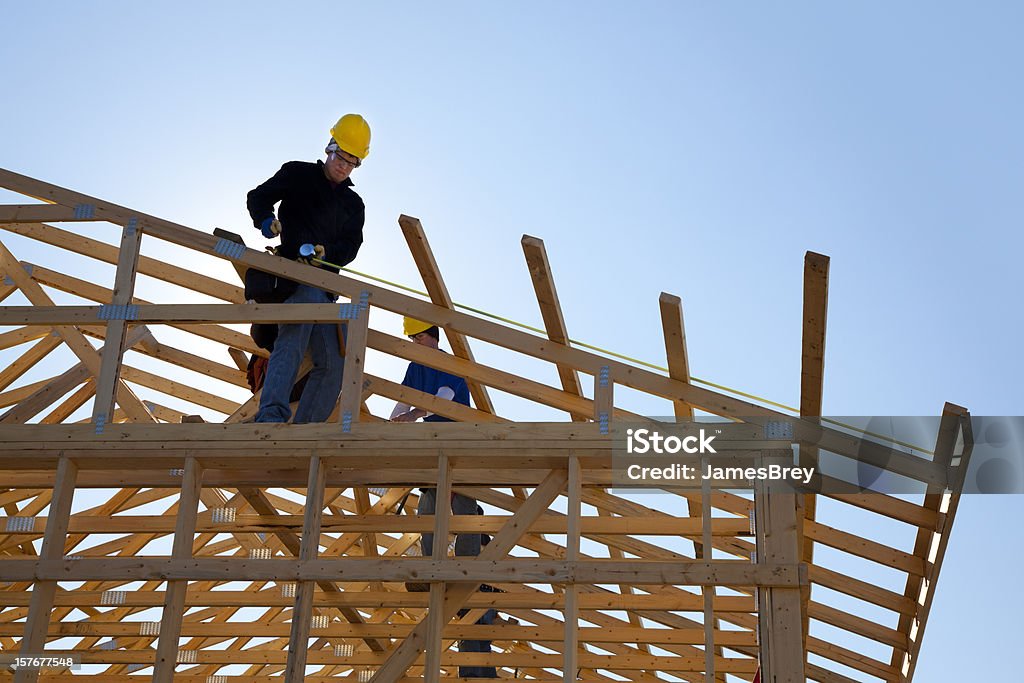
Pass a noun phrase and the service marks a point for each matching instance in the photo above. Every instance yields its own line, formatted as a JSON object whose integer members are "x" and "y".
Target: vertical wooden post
{"x": 362, "y": 498}
{"x": 435, "y": 611}
{"x": 43, "y": 592}
{"x": 812, "y": 382}
{"x": 779, "y": 620}
{"x": 309, "y": 549}
{"x": 572, "y": 555}
{"x": 604, "y": 402}
{"x": 708, "y": 591}
{"x": 677, "y": 355}
{"x": 117, "y": 327}
{"x": 174, "y": 598}
{"x": 355, "y": 355}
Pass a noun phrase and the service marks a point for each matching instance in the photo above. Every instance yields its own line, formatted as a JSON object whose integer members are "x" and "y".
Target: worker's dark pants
{"x": 466, "y": 545}
{"x": 324, "y": 383}
{"x": 478, "y": 646}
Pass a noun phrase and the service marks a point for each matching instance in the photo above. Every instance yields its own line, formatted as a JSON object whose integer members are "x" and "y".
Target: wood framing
{"x": 204, "y": 547}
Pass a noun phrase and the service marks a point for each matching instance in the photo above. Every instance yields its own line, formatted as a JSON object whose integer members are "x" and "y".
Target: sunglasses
{"x": 337, "y": 154}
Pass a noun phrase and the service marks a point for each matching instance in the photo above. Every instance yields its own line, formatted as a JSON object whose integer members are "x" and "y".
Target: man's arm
{"x": 343, "y": 249}
{"x": 260, "y": 201}
{"x": 404, "y": 413}
{"x": 400, "y": 409}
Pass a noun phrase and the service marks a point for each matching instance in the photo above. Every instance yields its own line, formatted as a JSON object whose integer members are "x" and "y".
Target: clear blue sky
{"x": 694, "y": 148}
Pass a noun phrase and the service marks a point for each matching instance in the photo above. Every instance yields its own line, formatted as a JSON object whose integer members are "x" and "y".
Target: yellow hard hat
{"x": 411, "y": 327}
{"x": 352, "y": 133}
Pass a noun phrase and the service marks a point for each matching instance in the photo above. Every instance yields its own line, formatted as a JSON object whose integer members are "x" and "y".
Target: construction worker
{"x": 451, "y": 388}
{"x": 317, "y": 207}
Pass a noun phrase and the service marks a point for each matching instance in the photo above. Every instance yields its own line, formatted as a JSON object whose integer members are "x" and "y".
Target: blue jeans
{"x": 466, "y": 545}
{"x": 324, "y": 383}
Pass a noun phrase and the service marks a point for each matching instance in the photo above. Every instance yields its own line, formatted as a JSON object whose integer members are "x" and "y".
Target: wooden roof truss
{"x": 223, "y": 551}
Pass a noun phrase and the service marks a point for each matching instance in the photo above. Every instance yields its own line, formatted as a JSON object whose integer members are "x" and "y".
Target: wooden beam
{"x": 815, "y": 318}
{"x": 551, "y": 313}
{"x": 518, "y": 386}
{"x": 261, "y": 503}
{"x": 75, "y": 401}
{"x": 108, "y": 253}
{"x": 931, "y": 543}
{"x": 419, "y": 399}
{"x": 177, "y": 313}
{"x": 439, "y": 552}
{"x": 505, "y": 381}
{"x": 28, "y": 360}
{"x": 72, "y": 337}
{"x": 431, "y": 274}
{"x": 351, "y": 396}
{"x": 5, "y": 291}
{"x": 380, "y": 523}
{"x": 174, "y": 597}
{"x": 708, "y": 592}
{"x": 35, "y": 213}
{"x": 150, "y": 345}
{"x": 183, "y": 390}
{"x": 302, "y": 613}
{"x": 812, "y": 382}
{"x": 517, "y": 658}
{"x": 571, "y": 638}
{"x": 43, "y": 592}
{"x": 93, "y": 292}
{"x": 117, "y": 329}
{"x": 378, "y": 599}
{"x": 59, "y": 386}
{"x": 698, "y": 506}
{"x": 525, "y": 570}
{"x": 20, "y": 335}
{"x": 456, "y": 596}
{"x": 237, "y": 629}
{"x": 615, "y": 553}
{"x": 239, "y": 358}
{"x": 674, "y": 332}
{"x": 780, "y": 625}
{"x": 627, "y": 375}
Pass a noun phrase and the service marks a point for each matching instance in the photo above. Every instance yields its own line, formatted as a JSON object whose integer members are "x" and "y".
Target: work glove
{"x": 271, "y": 228}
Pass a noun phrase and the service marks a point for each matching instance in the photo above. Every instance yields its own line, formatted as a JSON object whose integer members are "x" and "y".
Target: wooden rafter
{"x": 551, "y": 312}
{"x": 438, "y": 291}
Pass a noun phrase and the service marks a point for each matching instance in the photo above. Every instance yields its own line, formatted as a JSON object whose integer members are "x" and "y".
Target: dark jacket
{"x": 312, "y": 211}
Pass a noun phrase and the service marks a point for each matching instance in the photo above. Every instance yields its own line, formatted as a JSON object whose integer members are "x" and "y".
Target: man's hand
{"x": 308, "y": 252}
{"x": 410, "y": 416}
{"x": 271, "y": 228}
